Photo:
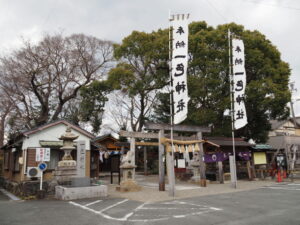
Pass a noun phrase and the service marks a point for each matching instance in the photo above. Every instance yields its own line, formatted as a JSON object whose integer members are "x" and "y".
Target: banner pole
{"x": 233, "y": 167}
{"x": 171, "y": 161}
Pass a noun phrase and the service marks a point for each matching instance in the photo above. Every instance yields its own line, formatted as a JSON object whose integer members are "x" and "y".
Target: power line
{"x": 272, "y": 5}
{"x": 216, "y": 10}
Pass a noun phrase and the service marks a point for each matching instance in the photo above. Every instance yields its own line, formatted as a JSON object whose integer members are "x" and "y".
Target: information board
{"x": 42, "y": 154}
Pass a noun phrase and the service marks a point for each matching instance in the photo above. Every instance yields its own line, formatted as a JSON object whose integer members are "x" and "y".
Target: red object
{"x": 279, "y": 179}
{"x": 284, "y": 174}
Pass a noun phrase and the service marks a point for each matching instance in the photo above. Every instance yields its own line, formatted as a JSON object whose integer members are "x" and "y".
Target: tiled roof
{"x": 223, "y": 141}
{"x": 51, "y": 124}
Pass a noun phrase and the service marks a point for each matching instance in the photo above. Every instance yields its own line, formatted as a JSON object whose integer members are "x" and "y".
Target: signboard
{"x": 81, "y": 158}
{"x": 181, "y": 163}
{"x": 281, "y": 161}
{"x": 42, "y": 154}
{"x": 260, "y": 158}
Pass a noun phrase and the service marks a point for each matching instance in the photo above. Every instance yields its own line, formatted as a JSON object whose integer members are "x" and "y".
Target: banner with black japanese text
{"x": 179, "y": 67}
{"x": 239, "y": 83}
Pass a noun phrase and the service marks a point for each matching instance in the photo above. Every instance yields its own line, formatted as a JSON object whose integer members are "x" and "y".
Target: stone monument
{"x": 67, "y": 167}
{"x": 128, "y": 168}
{"x": 195, "y": 164}
{"x": 72, "y": 187}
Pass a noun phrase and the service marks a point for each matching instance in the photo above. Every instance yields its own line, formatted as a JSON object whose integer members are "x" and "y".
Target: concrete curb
{"x": 10, "y": 195}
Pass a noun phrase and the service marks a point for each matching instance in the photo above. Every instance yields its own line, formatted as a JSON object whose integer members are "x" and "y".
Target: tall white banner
{"x": 239, "y": 83}
{"x": 179, "y": 67}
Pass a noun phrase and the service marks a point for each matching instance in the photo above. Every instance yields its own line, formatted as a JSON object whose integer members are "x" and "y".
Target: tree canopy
{"x": 40, "y": 79}
{"x": 142, "y": 70}
{"x": 267, "y": 92}
{"x": 41, "y": 82}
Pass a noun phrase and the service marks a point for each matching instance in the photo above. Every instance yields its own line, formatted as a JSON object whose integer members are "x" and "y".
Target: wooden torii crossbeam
{"x": 192, "y": 142}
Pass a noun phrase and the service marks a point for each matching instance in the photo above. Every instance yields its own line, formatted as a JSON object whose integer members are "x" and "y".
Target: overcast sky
{"x": 115, "y": 19}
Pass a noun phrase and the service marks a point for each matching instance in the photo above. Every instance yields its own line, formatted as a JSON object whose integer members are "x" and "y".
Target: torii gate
{"x": 161, "y": 128}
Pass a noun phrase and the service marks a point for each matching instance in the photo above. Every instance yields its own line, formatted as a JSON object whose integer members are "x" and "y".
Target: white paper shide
{"x": 239, "y": 83}
{"x": 179, "y": 67}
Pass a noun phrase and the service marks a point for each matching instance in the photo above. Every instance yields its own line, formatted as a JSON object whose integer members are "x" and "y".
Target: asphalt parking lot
{"x": 276, "y": 204}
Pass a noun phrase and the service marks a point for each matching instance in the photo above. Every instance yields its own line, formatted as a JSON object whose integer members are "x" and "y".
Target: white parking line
{"x": 101, "y": 212}
{"x": 136, "y": 212}
{"x": 282, "y": 188}
{"x": 111, "y": 206}
{"x": 92, "y": 203}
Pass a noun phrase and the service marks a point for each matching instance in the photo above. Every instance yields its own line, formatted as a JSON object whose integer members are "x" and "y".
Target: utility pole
{"x": 292, "y": 151}
{"x": 293, "y": 89}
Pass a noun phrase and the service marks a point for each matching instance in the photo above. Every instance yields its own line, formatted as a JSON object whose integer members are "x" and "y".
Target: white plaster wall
{"x": 52, "y": 134}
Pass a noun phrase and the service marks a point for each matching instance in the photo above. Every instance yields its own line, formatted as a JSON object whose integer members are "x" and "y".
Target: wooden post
{"x": 132, "y": 148}
{"x": 171, "y": 175}
{"x": 249, "y": 170}
{"x": 221, "y": 172}
{"x": 161, "y": 165}
{"x": 202, "y": 164}
{"x": 145, "y": 161}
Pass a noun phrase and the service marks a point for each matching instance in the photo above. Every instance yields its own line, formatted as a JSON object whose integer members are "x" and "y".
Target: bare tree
{"x": 5, "y": 110}
{"x": 40, "y": 79}
{"x": 125, "y": 112}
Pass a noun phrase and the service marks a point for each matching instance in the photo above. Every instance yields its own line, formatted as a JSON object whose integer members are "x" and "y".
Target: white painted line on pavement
{"x": 92, "y": 203}
{"x": 294, "y": 184}
{"x": 282, "y": 188}
{"x": 98, "y": 212}
{"x": 140, "y": 208}
{"x": 111, "y": 206}
{"x": 127, "y": 216}
{"x": 179, "y": 216}
{"x": 10, "y": 195}
{"x": 149, "y": 220}
{"x": 203, "y": 206}
{"x": 147, "y": 208}
{"x": 214, "y": 208}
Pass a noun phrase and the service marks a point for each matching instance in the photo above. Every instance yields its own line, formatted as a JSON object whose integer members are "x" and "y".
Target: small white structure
{"x": 47, "y": 136}
{"x": 73, "y": 193}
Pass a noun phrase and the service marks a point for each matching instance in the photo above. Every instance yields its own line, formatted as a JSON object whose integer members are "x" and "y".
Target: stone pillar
{"x": 195, "y": 164}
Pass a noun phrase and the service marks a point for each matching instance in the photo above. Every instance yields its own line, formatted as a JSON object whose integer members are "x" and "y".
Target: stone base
{"x": 195, "y": 179}
{"x": 73, "y": 193}
{"x": 128, "y": 186}
{"x": 67, "y": 163}
{"x": 63, "y": 174}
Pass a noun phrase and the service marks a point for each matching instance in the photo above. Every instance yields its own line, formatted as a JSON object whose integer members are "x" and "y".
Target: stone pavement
{"x": 150, "y": 193}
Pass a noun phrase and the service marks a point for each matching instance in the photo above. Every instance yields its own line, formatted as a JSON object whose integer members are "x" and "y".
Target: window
{"x": 16, "y": 161}
{"x": 6, "y": 160}
{"x": 54, "y": 158}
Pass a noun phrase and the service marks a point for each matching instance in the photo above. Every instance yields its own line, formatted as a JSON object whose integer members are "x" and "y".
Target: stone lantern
{"x": 195, "y": 163}
{"x": 68, "y": 146}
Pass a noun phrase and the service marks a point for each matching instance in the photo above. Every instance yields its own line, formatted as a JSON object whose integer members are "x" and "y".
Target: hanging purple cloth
{"x": 244, "y": 155}
{"x": 216, "y": 157}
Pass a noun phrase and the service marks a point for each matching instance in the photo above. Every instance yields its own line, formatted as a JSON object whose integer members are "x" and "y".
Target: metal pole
{"x": 233, "y": 175}
{"x": 172, "y": 183}
{"x": 41, "y": 181}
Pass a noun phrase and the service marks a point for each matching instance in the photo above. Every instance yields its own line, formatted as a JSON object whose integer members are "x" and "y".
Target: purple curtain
{"x": 222, "y": 156}
{"x": 244, "y": 155}
{"x": 216, "y": 157}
